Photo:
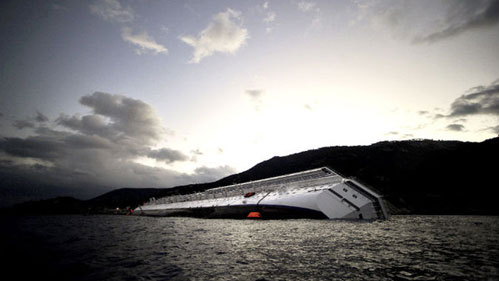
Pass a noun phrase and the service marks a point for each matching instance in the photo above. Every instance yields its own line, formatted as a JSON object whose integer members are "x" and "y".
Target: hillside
{"x": 417, "y": 176}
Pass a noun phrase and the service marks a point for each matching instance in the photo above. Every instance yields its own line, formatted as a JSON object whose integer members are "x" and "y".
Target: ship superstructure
{"x": 316, "y": 193}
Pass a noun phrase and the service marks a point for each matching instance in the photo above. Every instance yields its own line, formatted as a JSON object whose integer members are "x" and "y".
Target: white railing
{"x": 293, "y": 181}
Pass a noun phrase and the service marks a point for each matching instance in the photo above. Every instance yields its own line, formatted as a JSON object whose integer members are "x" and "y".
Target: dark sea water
{"x": 144, "y": 248}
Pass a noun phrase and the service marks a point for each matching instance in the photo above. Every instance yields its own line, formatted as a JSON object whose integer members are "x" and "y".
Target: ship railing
{"x": 259, "y": 187}
{"x": 314, "y": 174}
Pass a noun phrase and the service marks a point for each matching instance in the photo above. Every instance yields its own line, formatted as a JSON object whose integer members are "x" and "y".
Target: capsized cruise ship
{"x": 317, "y": 193}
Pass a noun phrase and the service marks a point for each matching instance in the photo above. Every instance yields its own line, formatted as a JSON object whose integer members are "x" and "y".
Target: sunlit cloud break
{"x": 224, "y": 34}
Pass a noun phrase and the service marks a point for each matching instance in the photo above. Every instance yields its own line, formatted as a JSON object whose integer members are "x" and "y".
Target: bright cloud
{"x": 167, "y": 155}
{"x": 143, "y": 41}
{"x": 112, "y": 11}
{"x": 225, "y": 34}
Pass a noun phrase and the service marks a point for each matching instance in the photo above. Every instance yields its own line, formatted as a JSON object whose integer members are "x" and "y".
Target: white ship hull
{"x": 318, "y": 193}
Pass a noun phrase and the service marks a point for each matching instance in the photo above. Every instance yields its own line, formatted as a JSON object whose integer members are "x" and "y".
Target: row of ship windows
{"x": 353, "y": 195}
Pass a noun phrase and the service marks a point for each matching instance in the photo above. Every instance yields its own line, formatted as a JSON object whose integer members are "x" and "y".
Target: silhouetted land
{"x": 415, "y": 177}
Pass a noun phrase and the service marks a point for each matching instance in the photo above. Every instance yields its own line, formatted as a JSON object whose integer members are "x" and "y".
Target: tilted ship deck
{"x": 316, "y": 193}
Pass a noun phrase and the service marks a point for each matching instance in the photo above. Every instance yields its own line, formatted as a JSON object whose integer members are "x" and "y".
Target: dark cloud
{"x": 167, "y": 155}
{"x": 429, "y": 21}
{"x": 98, "y": 151}
{"x": 40, "y": 117}
{"x": 89, "y": 124}
{"x": 130, "y": 117}
{"x": 463, "y": 16}
{"x": 20, "y": 183}
{"x": 23, "y": 124}
{"x": 87, "y": 142}
{"x": 30, "y": 121}
{"x": 480, "y": 100}
{"x": 41, "y": 147}
{"x": 48, "y": 132}
{"x": 455, "y": 127}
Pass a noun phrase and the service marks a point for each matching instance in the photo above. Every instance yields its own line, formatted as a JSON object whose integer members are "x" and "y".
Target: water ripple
{"x": 142, "y": 248}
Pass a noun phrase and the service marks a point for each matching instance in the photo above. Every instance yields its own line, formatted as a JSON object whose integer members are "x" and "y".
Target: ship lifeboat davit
{"x": 249, "y": 194}
{"x": 254, "y": 215}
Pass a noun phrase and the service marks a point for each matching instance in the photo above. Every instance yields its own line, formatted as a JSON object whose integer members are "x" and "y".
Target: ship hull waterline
{"x": 238, "y": 212}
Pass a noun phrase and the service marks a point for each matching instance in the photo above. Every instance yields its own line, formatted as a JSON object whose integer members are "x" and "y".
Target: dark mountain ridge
{"x": 416, "y": 177}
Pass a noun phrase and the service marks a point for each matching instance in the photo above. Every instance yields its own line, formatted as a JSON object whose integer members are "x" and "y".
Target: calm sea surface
{"x": 144, "y": 248}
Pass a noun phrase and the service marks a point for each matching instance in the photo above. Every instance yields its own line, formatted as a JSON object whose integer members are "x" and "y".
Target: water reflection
{"x": 142, "y": 248}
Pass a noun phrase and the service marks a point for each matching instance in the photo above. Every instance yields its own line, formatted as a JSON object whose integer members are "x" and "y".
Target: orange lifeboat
{"x": 254, "y": 215}
{"x": 249, "y": 194}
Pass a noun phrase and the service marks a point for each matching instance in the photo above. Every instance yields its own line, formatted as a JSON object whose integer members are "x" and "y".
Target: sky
{"x": 104, "y": 94}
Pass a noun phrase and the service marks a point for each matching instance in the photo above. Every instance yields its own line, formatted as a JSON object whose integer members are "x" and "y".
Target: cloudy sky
{"x": 96, "y": 95}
